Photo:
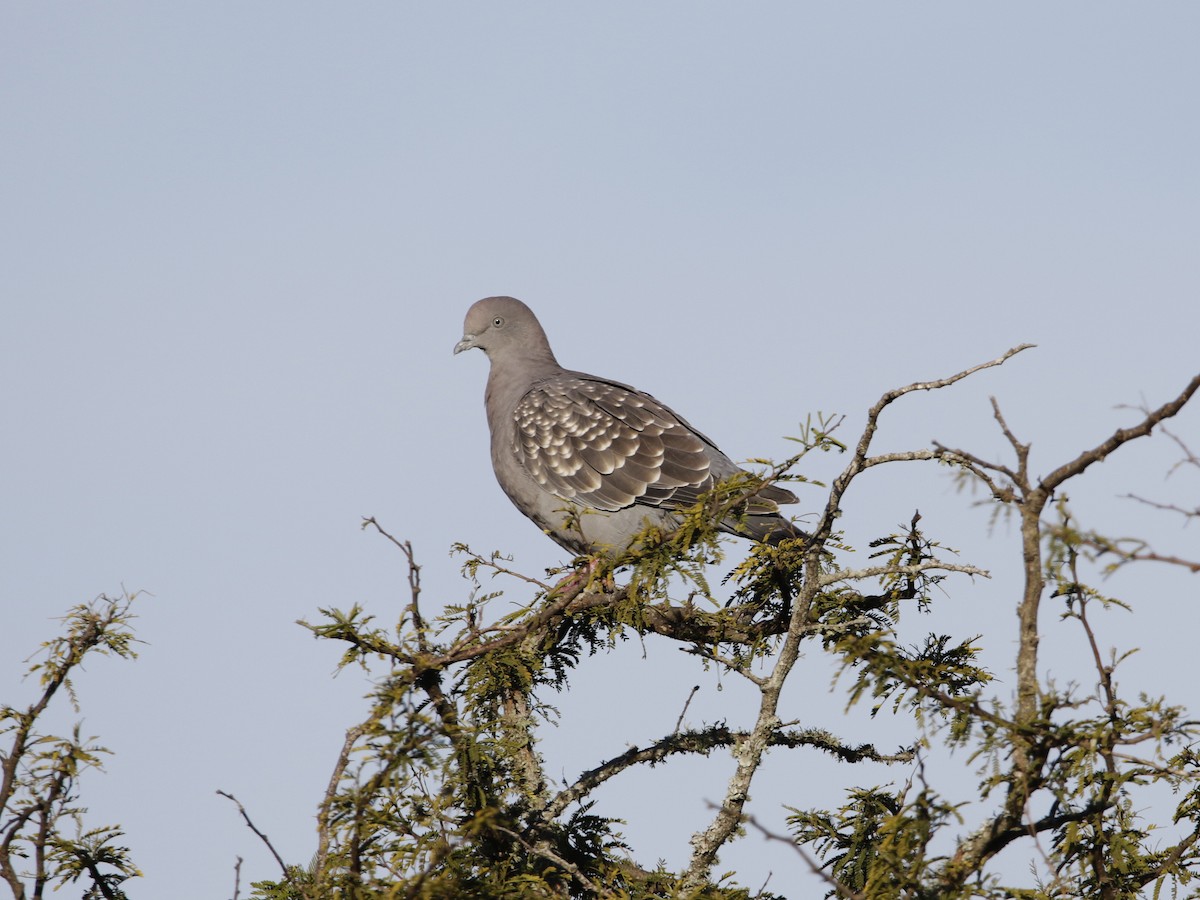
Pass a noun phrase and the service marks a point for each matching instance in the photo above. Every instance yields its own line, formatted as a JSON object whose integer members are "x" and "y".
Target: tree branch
{"x": 703, "y": 742}
{"x": 287, "y": 875}
{"x": 933, "y": 565}
{"x": 857, "y": 461}
{"x": 324, "y": 836}
{"x": 1121, "y": 436}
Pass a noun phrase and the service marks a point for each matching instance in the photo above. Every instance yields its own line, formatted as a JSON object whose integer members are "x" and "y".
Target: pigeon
{"x": 594, "y": 462}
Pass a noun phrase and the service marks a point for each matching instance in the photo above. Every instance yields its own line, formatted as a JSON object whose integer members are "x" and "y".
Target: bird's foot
{"x": 584, "y": 578}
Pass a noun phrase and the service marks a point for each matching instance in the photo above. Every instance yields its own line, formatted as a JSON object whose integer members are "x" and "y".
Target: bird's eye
{"x": 498, "y": 322}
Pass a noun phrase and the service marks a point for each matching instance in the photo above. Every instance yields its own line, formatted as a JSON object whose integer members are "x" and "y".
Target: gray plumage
{"x": 592, "y": 461}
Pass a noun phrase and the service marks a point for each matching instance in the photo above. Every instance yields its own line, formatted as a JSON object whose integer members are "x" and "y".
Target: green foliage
{"x": 441, "y": 791}
{"x": 877, "y": 844}
{"x": 43, "y": 840}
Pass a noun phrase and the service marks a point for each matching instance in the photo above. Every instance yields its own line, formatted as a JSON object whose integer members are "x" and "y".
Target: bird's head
{"x": 502, "y": 327}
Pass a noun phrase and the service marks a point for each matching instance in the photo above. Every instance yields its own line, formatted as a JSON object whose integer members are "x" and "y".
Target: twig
{"x": 1188, "y": 514}
{"x": 414, "y": 580}
{"x": 979, "y": 467}
{"x": 1189, "y": 456}
{"x": 842, "y": 890}
{"x": 498, "y": 569}
{"x": 1139, "y": 552}
{"x": 686, "y": 704}
{"x": 721, "y": 659}
{"x": 237, "y": 878}
{"x": 873, "y": 414}
{"x": 287, "y": 876}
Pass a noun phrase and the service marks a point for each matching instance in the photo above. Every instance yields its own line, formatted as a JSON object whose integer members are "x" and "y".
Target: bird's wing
{"x": 608, "y": 446}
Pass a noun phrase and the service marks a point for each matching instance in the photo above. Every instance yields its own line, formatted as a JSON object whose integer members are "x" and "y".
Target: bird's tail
{"x": 769, "y": 528}
{"x": 760, "y": 519}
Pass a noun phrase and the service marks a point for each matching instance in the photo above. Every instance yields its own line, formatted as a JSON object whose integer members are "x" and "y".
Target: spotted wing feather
{"x": 608, "y": 447}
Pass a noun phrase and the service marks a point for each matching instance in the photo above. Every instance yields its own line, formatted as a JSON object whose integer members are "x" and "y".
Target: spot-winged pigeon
{"x": 591, "y": 461}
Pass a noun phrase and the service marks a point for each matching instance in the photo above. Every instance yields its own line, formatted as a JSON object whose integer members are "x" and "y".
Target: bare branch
{"x": 686, "y": 704}
{"x": 1167, "y": 507}
{"x": 237, "y": 878}
{"x": 933, "y": 565}
{"x": 287, "y": 876}
{"x": 1189, "y": 456}
{"x": 712, "y": 655}
{"x": 857, "y": 461}
{"x": 1129, "y": 550}
{"x": 1121, "y": 436}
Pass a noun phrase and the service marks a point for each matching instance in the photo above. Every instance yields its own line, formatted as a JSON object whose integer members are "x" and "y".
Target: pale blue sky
{"x": 238, "y": 242}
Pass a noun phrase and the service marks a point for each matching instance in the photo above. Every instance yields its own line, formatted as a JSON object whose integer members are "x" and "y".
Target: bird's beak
{"x": 466, "y": 343}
